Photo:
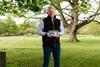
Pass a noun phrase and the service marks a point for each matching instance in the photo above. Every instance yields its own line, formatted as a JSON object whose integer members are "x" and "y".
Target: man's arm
{"x": 40, "y": 28}
{"x": 61, "y": 29}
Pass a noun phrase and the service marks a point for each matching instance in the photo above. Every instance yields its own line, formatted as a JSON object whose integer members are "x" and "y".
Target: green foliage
{"x": 2, "y": 27}
{"x": 9, "y": 27}
{"x": 12, "y": 28}
{"x": 24, "y": 25}
{"x": 22, "y": 7}
{"x": 27, "y": 28}
{"x": 9, "y": 7}
{"x": 35, "y": 8}
{"x": 84, "y": 6}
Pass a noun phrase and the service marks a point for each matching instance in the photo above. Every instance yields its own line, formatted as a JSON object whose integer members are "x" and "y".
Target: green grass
{"x": 23, "y": 51}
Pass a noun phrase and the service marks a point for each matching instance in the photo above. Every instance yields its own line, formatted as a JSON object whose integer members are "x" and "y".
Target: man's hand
{"x": 56, "y": 34}
{"x": 48, "y": 35}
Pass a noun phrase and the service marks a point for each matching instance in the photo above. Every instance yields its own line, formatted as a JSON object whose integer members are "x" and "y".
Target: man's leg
{"x": 47, "y": 53}
{"x": 56, "y": 55}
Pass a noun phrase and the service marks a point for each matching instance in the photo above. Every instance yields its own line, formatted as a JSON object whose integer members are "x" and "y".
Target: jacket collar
{"x": 51, "y": 17}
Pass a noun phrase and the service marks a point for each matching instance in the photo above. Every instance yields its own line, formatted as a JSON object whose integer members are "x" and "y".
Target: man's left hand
{"x": 56, "y": 34}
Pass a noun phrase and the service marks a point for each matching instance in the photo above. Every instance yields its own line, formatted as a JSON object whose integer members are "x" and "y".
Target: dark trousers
{"x": 55, "y": 50}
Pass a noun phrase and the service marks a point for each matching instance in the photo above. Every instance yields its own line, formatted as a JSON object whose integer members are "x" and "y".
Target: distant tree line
{"x": 10, "y": 28}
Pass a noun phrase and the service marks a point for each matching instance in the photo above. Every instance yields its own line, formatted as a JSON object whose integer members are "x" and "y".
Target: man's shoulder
{"x": 44, "y": 18}
{"x": 58, "y": 19}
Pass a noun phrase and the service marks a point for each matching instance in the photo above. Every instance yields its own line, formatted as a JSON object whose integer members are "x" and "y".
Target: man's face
{"x": 51, "y": 12}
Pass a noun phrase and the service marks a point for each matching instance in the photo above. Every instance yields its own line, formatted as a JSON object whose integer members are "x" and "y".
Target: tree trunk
{"x": 73, "y": 34}
{"x": 73, "y": 23}
{"x": 73, "y": 31}
{"x": 4, "y": 3}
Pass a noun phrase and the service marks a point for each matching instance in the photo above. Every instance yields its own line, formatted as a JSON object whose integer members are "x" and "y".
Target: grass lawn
{"x": 26, "y": 51}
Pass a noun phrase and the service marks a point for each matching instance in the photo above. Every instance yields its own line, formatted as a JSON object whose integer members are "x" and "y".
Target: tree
{"x": 77, "y": 8}
{"x": 11, "y": 28}
{"x": 27, "y": 28}
{"x": 2, "y": 27}
{"x": 20, "y": 7}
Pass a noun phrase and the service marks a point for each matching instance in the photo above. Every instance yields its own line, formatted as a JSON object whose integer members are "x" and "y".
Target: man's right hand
{"x": 48, "y": 35}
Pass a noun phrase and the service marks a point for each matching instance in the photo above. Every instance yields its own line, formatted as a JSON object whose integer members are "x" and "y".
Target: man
{"x": 51, "y": 29}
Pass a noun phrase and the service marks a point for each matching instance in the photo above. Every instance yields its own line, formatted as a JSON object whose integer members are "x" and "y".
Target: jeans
{"x": 56, "y": 55}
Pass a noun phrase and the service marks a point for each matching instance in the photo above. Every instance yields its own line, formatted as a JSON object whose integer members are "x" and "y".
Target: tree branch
{"x": 61, "y": 14}
{"x": 89, "y": 19}
{"x": 70, "y": 2}
{"x": 66, "y": 14}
